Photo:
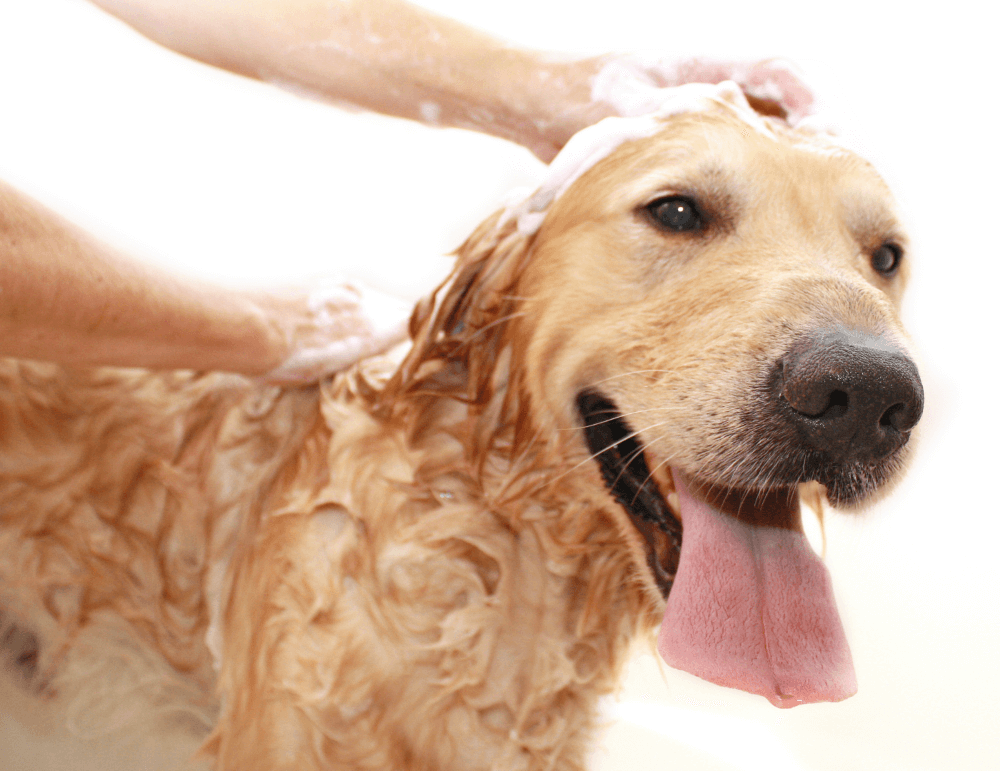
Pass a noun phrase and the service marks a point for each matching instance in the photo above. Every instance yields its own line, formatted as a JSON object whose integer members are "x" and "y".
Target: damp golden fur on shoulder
{"x": 606, "y": 421}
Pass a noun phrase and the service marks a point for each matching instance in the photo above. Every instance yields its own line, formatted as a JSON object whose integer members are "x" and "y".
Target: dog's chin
{"x": 852, "y": 486}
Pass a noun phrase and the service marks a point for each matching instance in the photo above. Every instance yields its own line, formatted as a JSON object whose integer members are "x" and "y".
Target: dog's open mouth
{"x": 622, "y": 461}
{"x": 750, "y": 605}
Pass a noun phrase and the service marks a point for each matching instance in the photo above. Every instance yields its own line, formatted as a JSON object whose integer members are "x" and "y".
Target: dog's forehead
{"x": 702, "y": 131}
{"x": 720, "y": 144}
{"x": 594, "y": 144}
{"x": 719, "y": 154}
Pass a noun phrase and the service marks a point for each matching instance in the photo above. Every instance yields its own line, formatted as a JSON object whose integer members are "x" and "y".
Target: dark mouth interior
{"x": 621, "y": 457}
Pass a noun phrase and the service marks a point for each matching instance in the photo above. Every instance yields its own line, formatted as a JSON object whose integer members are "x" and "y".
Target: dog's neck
{"x": 555, "y": 589}
{"x": 527, "y": 475}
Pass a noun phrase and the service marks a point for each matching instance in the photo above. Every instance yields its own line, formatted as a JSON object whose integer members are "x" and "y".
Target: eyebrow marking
{"x": 870, "y": 221}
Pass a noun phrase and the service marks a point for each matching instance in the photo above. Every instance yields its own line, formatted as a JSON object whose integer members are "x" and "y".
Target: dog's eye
{"x": 676, "y": 213}
{"x": 886, "y": 259}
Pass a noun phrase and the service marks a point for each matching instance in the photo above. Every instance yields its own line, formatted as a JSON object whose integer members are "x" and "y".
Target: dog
{"x": 606, "y": 422}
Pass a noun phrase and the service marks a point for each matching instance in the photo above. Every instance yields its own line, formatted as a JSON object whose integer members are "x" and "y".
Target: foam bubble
{"x": 594, "y": 143}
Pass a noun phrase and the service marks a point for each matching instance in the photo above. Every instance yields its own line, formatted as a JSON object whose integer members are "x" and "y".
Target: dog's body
{"x": 421, "y": 567}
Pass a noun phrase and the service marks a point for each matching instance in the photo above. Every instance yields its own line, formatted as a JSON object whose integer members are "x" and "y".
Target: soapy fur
{"x": 419, "y": 566}
{"x": 597, "y": 142}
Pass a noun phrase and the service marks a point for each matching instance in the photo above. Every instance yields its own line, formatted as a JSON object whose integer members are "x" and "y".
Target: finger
{"x": 781, "y": 81}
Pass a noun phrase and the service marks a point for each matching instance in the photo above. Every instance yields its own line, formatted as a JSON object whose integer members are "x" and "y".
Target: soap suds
{"x": 591, "y": 145}
{"x": 348, "y": 322}
{"x": 430, "y": 113}
{"x": 630, "y": 84}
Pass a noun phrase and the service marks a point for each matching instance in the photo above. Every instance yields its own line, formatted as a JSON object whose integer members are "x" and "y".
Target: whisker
{"x": 633, "y": 372}
{"x": 492, "y": 324}
{"x": 594, "y": 456}
{"x": 657, "y": 467}
{"x": 615, "y": 416}
{"x": 518, "y": 298}
{"x": 625, "y": 465}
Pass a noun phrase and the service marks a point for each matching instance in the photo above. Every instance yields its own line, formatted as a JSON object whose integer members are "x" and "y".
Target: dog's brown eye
{"x": 886, "y": 259}
{"x": 676, "y": 213}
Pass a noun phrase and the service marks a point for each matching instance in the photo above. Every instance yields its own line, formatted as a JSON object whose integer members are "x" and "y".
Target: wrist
{"x": 535, "y": 99}
{"x": 567, "y": 100}
{"x": 272, "y": 320}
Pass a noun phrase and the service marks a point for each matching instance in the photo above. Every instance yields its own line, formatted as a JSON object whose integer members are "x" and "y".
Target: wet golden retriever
{"x": 618, "y": 398}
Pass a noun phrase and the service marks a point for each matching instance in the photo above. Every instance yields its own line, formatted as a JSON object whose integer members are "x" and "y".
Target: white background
{"x": 233, "y": 180}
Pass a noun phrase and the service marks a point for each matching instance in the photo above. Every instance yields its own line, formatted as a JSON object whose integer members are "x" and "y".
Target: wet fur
{"x": 419, "y": 567}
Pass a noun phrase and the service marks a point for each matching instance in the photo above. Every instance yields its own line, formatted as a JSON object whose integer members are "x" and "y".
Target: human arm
{"x": 67, "y": 297}
{"x": 395, "y": 58}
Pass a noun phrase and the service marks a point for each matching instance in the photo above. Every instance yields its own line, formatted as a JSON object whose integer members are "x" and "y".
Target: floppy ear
{"x": 463, "y": 323}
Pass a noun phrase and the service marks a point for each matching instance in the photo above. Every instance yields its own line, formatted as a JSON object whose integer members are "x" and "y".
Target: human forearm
{"x": 398, "y": 59}
{"x": 383, "y": 55}
{"x": 66, "y": 297}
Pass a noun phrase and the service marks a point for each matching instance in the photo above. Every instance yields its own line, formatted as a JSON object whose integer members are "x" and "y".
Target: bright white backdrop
{"x": 235, "y": 181}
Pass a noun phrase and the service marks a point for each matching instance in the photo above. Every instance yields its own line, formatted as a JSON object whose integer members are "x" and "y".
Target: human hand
{"x": 333, "y": 326}
{"x": 631, "y": 84}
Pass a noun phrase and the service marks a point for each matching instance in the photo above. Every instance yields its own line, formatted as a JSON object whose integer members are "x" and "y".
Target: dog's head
{"x": 711, "y": 300}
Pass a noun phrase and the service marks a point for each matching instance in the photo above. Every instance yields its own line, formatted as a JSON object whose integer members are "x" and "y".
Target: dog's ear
{"x": 464, "y": 321}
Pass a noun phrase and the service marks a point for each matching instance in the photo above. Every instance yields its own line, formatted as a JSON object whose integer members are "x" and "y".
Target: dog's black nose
{"x": 851, "y": 394}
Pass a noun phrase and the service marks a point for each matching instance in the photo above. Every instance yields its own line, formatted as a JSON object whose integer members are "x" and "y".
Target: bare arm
{"x": 398, "y": 59}
{"x": 383, "y": 55}
{"x": 68, "y": 298}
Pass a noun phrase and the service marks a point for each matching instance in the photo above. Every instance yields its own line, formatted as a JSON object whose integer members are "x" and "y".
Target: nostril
{"x": 838, "y": 406}
{"x": 897, "y": 417}
{"x": 820, "y": 403}
{"x": 887, "y": 417}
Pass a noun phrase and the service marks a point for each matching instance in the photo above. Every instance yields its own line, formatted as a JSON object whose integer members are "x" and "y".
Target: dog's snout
{"x": 853, "y": 395}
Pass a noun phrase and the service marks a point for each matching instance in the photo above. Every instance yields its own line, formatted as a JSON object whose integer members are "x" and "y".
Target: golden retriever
{"x": 617, "y": 399}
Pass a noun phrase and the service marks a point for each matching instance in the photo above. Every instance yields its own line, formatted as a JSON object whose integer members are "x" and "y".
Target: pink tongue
{"x": 752, "y": 608}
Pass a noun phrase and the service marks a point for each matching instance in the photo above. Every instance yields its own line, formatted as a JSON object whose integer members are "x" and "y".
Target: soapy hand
{"x": 333, "y": 326}
{"x": 632, "y": 84}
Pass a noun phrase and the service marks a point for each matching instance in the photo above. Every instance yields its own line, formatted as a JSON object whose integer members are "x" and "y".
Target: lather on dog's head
{"x": 708, "y": 304}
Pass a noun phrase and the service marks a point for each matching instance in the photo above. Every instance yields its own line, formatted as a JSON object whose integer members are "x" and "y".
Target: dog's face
{"x": 689, "y": 266}
{"x": 717, "y": 307}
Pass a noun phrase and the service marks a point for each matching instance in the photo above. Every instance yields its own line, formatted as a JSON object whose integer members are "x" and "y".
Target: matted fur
{"x": 418, "y": 567}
